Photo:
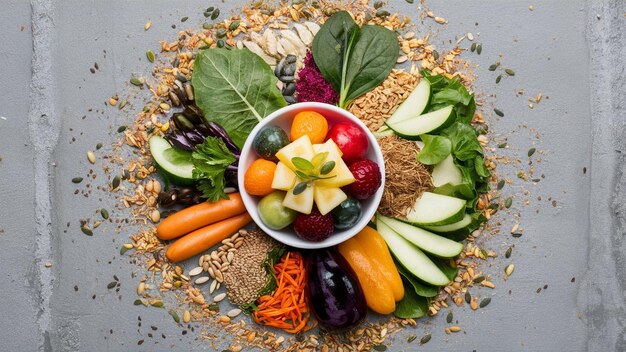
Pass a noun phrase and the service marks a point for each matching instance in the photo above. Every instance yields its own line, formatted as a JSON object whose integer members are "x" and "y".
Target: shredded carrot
{"x": 286, "y": 308}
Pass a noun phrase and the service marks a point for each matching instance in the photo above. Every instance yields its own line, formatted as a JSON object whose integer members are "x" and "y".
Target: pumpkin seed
{"x": 411, "y": 338}
{"x": 484, "y": 302}
{"x": 479, "y": 279}
{"x": 214, "y": 307}
{"x": 327, "y": 167}
{"x": 150, "y": 55}
{"x": 479, "y": 49}
{"x": 91, "y": 157}
{"x": 473, "y": 47}
{"x": 122, "y": 104}
{"x": 509, "y": 72}
{"x": 493, "y": 67}
{"x": 378, "y": 4}
{"x": 380, "y": 347}
{"x": 220, "y": 43}
{"x": 468, "y": 297}
{"x": 86, "y": 230}
{"x": 233, "y": 25}
{"x": 498, "y": 112}
{"x": 507, "y": 254}
{"x": 155, "y": 216}
{"x": 184, "y": 19}
{"x": 215, "y": 14}
{"x": 121, "y": 129}
{"x": 449, "y": 317}
{"x": 175, "y": 316}
{"x": 136, "y": 82}
{"x": 531, "y": 151}
{"x": 99, "y": 145}
{"x": 435, "y": 55}
{"x": 137, "y": 302}
{"x": 498, "y": 79}
{"x": 157, "y": 303}
{"x": 509, "y": 269}
{"x": 104, "y": 213}
{"x": 77, "y": 180}
{"x": 112, "y": 284}
{"x": 123, "y": 250}
{"x": 425, "y": 339}
{"x": 502, "y": 145}
{"x": 300, "y": 187}
{"x": 382, "y": 13}
{"x": 147, "y": 25}
{"x": 116, "y": 182}
{"x": 508, "y": 202}
{"x": 207, "y": 26}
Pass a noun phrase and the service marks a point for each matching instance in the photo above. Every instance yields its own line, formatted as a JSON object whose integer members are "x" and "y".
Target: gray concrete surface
{"x": 55, "y": 298}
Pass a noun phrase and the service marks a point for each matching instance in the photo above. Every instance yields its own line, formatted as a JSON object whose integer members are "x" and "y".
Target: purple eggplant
{"x": 220, "y": 132}
{"x": 194, "y": 137}
{"x": 334, "y": 293}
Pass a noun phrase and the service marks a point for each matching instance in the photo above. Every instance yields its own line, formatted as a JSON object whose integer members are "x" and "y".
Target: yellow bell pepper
{"x": 369, "y": 257}
{"x": 377, "y": 250}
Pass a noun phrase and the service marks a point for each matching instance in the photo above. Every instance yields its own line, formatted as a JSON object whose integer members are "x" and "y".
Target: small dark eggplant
{"x": 334, "y": 293}
{"x": 219, "y": 131}
{"x": 182, "y": 123}
{"x": 194, "y": 137}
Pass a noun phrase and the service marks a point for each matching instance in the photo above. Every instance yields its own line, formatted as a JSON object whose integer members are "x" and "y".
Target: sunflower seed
{"x": 186, "y": 316}
{"x": 455, "y": 328}
{"x": 201, "y": 280}
{"x": 509, "y": 269}
{"x": 155, "y": 216}
{"x": 91, "y": 157}
{"x": 484, "y": 302}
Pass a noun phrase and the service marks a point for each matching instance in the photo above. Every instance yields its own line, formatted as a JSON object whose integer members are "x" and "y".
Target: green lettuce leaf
{"x": 450, "y": 92}
{"x": 235, "y": 89}
{"x": 412, "y": 305}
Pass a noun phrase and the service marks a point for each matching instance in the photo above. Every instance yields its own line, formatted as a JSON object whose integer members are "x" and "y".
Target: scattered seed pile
{"x": 246, "y": 276}
{"x": 405, "y": 178}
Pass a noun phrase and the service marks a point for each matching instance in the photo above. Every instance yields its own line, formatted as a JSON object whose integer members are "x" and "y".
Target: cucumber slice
{"x": 411, "y": 257}
{"x": 426, "y": 241}
{"x": 176, "y": 164}
{"x": 414, "y": 105}
{"x": 433, "y": 209}
{"x": 467, "y": 219}
{"x": 423, "y": 124}
{"x": 446, "y": 172}
{"x": 383, "y": 132}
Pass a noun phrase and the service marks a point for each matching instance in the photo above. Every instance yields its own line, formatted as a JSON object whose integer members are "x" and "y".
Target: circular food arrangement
{"x": 299, "y": 180}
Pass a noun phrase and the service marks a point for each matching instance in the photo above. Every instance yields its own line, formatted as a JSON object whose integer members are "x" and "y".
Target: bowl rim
{"x": 249, "y": 200}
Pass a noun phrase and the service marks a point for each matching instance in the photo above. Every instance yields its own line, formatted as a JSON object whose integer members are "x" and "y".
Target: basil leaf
{"x": 411, "y": 305}
{"x": 302, "y": 163}
{"x": 370, "y": 62}
{"x": 177, "y": 156}
{"x": 235, "y": 89}
{"x": 436, "y": 148}
{"x": 330, "y": 45}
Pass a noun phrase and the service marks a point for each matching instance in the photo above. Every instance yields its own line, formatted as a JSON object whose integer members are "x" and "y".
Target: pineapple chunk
{"x": 301, "y": 147}
{"x": 327, "y": 198}
{"x": 302, "y": 202}
{"x": 284, "y": 177}
{"x": 342, "y": 174}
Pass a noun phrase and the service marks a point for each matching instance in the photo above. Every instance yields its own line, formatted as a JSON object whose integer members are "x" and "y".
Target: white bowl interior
{"x": 283, "y": 118}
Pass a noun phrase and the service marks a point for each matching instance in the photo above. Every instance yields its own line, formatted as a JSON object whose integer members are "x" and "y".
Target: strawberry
{"x": 314, "y": 227}
{"x": 368, "y": 179}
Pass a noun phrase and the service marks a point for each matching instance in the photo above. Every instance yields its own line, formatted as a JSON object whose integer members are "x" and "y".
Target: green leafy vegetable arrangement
{"x": 211, "y": 159}
{"x": 235, "y": 89}
{"x": 354, "y": 60}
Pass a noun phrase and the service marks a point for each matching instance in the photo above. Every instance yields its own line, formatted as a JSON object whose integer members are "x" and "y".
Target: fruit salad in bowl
{"x": 311, "y": 175}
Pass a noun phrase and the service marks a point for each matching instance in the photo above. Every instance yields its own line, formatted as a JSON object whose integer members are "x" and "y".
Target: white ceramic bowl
{"x": 283, "y": 118}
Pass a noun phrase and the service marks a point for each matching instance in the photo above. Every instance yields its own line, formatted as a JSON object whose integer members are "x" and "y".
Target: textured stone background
{"x": 571, "y": 51}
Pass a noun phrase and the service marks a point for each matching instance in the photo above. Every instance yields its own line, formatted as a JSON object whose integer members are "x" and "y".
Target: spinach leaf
{"x": 370, "y": 61}
{"x": 354, "y": 60}
{"x": 235, "y": 89}
{"x": 330, "y": 45}
{"x": 436, "y": 148}
{"x": 412, "y": 305}
{"x": 210, "y": 160}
